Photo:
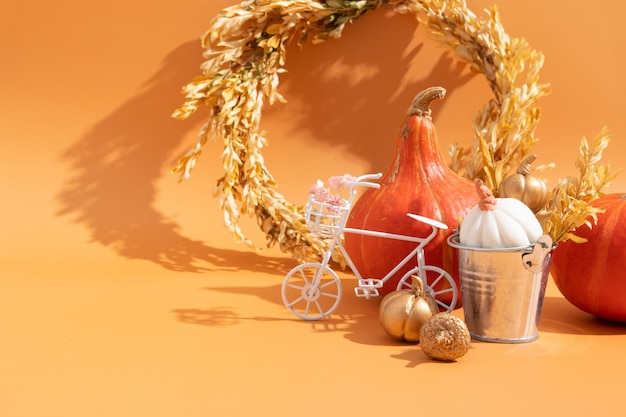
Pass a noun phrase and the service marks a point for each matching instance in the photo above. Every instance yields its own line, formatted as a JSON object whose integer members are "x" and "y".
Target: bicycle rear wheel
{"x": 437, "y": 282}
{"x": 311, "y": 291}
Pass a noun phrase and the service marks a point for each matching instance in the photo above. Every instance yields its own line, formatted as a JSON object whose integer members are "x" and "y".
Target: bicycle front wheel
{"x": 437, "y": 282}
{"x": 311, "y": 291}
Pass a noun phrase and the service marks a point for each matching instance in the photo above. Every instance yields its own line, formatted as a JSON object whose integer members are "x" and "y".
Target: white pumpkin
{"x": 499, "y": 223}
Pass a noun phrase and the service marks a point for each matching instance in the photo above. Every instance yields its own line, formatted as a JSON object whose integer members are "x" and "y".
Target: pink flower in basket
{"x": 335, "y": 202}
{"x": 338, "y": 181}
{"x": 322, "y": 194}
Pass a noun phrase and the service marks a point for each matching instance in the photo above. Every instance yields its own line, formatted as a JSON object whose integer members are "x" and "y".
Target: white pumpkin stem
{"x": 486, "y": 200}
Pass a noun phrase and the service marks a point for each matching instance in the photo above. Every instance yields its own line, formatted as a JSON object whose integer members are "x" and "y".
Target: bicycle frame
{"x": 312, "y": 283}
{"x": 339, "y": 229}
{"x": 418, "y": 252}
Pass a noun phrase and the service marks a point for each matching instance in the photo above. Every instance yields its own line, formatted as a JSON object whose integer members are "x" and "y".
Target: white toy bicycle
{"x": 313, "y": 290}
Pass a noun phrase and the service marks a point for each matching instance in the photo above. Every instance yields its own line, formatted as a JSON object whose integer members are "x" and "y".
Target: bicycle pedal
{"x": 371, "y": 283}
{"x": 366, "y": 292}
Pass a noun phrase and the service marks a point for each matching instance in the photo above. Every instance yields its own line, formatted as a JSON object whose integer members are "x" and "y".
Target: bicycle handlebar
{"x": 363, "y": 180}
{"x": 431, "y": 222}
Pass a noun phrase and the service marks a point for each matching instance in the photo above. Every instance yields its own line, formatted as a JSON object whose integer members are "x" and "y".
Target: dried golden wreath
{"x": 245, "y": 51}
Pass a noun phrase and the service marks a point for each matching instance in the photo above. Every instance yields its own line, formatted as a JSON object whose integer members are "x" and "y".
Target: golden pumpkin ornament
{"x": 402, "y": 313}
{"x": 525, "y": 187}
{"x": 445, "y": 337}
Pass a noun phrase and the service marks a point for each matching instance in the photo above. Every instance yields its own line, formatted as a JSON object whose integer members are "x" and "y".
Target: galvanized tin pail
{"x": 503, "y": 289}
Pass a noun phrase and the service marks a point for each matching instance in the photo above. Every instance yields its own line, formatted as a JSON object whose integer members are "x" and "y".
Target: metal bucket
{"x": 503, "y": 289}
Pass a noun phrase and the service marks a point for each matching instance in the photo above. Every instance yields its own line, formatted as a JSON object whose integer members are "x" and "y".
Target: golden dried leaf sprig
{"x": 569, "y": 204}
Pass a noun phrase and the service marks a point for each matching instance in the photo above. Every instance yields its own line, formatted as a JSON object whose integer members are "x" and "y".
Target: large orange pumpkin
{"x": 592, "y": 275}
{"x": 418, "y": 181}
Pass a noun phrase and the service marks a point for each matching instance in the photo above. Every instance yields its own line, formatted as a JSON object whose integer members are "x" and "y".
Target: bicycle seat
{"x": 428, "y": 221}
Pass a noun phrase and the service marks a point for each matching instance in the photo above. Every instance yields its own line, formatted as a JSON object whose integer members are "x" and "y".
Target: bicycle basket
{"x": 324, "y": 219}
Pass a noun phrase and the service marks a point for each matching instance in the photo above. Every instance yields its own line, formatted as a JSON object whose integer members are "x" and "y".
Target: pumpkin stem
{"x": 421, "y": 102}
{"x": 417, "y": 286}
{"x": 486, "y": 199}
{"x": 524, "y": 167}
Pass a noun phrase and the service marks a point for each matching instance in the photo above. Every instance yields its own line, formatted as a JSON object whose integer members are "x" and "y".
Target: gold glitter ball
{"x": 445, "y": 337}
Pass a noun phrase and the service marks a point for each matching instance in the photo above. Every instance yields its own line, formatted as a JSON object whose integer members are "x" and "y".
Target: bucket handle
{"x": 534, "y": 260}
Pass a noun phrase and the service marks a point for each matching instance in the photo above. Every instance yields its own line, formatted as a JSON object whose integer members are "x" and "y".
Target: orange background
{"x": 122, "y": 294}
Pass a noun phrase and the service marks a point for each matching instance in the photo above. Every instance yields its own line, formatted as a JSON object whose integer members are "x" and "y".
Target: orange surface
{"x": 122, "y": 294}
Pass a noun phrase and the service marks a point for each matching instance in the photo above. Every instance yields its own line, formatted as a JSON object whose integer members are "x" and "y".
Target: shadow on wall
{"x": 360, "y": 86}
{"x": 113, "y": 169}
